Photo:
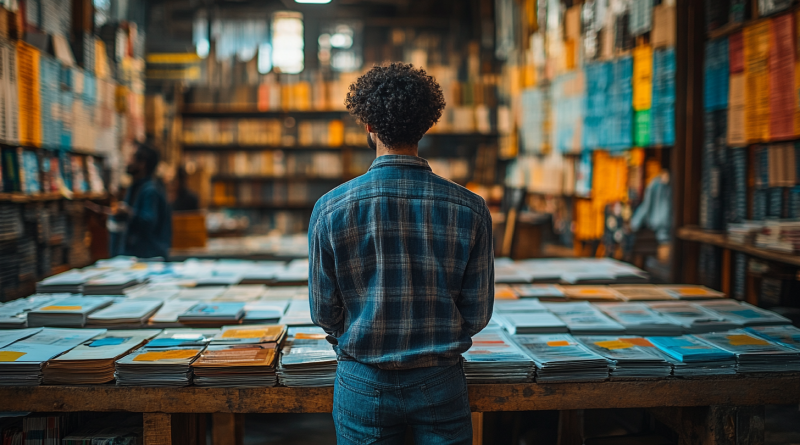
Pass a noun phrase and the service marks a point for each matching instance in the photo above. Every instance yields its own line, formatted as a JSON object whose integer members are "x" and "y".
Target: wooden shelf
{"x": 298, "y": 178}
{"x": 265, "y": 206}
{"x": 695, "y": 234}
{"x": 731, "y": 28}
{"x": 21, "y": 198}
{"x": 236, "y": 147}
{"x": 223, "y": 111}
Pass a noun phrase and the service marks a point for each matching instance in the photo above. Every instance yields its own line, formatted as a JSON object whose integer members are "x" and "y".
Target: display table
{"x": 723, "y": 410}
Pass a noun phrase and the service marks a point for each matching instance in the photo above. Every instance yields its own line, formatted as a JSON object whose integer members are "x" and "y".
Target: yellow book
{"x": 30, "y": 127}
{"x": 335, "y": 133}
{"x": 642, "y": 77}
{"x": 756, "y": 72}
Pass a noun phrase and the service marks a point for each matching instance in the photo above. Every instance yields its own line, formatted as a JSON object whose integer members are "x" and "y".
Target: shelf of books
{"x": 593, "y": 111}
{"x": 749, "y": 188}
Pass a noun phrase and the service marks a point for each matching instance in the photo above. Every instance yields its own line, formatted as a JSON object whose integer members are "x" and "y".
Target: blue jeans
{"x": 374, "y": 406}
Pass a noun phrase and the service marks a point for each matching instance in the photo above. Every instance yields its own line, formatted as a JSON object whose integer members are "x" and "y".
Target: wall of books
{"x": 750, "y": 161}
{"x": 592, "y": 89}
{"x": 66, "y": 109}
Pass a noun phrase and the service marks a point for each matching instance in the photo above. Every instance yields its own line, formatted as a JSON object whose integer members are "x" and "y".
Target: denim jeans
{"x": 374, "y": 406}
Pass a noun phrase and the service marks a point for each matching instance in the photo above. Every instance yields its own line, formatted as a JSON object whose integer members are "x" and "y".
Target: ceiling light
{"x": 313, "y": 1}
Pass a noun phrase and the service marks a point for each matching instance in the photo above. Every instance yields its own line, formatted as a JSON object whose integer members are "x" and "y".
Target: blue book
{"x": 689, "y": 349}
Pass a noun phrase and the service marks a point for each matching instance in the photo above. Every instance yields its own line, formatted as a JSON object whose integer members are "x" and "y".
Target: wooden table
{"x": 722, "y": 410}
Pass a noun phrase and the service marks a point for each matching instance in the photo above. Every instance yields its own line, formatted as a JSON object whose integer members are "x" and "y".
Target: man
{"x": 143, "y": 220}
{"x": 402, "y": 274}
{"x": 185, "y": 199}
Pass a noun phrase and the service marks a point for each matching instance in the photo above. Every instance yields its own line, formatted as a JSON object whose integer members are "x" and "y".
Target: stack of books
{"x": 298, "y": 314}
{"x": 8, "y": 337}
{"x": 788, "y": 336}
{"x": 592, "y": 293}
{"x": 68, "y": 282}
{"x": 162, "y": 367}
{"x": 217, "y": 313}
{"x": 236, "y": 366}
{"x": 21, "y": 362}
{"x": 560, "y": 358}
{"x": 640, "y": 319}
{"x": 629, "y": 357}
{"x": 642, "y": 292}
{"x": 694, "y": 357}
{"x": 92, "y": 363}
{"x": 67, "y": 312}
{"x": 544, "y": 292}
{"x": 112, "y": 283}
{"x": 183, "y": 337}
{"x": 129, "y": 313}
{"x": 167, "y": 315}
{"x": 14, "y": 314}
{"x": 694, "y": 319}
{"x": 242, "y": 292}
{"x": 494, "y": 358}
{"x": 582, "y": 318}
{"x": 530, "y": 322}
{"x": 307, "y": 359}
{"x": 753, "y": 353}
{"x": 692, "y": 292}
{"x": 264, "y": 311}
{"x": 743, "y": 314}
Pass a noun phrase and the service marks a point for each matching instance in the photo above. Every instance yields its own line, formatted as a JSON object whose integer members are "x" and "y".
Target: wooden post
{"x": 227, "y": 429}
{"x": 477, "y": 428}
{"x": 570, "y": 427}
{"x": 726, "y": 276}
{"x": 157, "y": 429}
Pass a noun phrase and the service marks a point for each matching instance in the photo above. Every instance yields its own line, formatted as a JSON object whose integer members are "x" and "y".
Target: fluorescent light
{"x": 320, "y": 2}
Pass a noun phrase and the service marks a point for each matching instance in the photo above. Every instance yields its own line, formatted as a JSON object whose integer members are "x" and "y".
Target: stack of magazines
{"x": 67, "y": 312}
{"x": 113, "y": 283}
{"x": 70, "y": 282}
{"x": 217, "y": 313}
{"x": 561, "y": 358}
{"x": 642, "y": 292}
{"x": 694, "y": 357}
{"x": 264, "y": 311}
{"x": 494, "y": 358}
{"x": 307, "y": 359}
{"x": 183, "y": 337}
{"x": 163, "y": 367}
{"x": 640, "y": 319}
{"x": 129, "y": 313}
{"x": 788, "y": 335}
{"x": 167, "y": 315}
{"x": 693, "y": 319}
{"x": 530, "y": 322}
{"x": 629, "y": 357}
{"x": 743, "y": 314}
{"x": 14, "y": 314}
{"x": 592, "y": 293}
{"x": 298, "y": 314}
{"x": 236, "y": 366}
{"x": 544, "y": 292}
{"x": 21, "y": 362}
{"x": 92, "y": 363}
{"x": 242, "y": 292}
{"x": 753, "y": 353}
{"x": 8, "y": 337}
{"x": 692, "y": 292}
{"x": 582, "y": 318}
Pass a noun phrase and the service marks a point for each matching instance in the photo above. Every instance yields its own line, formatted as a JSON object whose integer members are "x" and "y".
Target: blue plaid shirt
{"x": 402, "y": 266}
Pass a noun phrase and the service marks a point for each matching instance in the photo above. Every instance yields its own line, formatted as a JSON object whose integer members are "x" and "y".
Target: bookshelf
{"x": 236, "y": 147}
{"x": 720, "y": 239}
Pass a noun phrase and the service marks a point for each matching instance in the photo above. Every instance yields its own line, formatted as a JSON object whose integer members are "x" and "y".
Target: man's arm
{"x": 324, "y": 298}
{"x": 477, "y": 289}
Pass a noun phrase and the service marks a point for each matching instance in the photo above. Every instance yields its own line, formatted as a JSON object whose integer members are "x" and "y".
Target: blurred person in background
{"x": 185, "y": 199}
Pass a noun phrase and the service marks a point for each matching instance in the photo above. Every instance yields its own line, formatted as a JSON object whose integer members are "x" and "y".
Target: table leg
{"x": 570, "y": 427}
{"x": 477, "y": 428}
{"x": 227, "y": 429}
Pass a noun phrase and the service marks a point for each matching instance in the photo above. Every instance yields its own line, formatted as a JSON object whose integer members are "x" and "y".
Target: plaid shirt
{"x": 401, "y": 266}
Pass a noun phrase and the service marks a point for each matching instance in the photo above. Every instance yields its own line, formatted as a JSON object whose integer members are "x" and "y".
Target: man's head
{"x": 144, "y": 162}
{"x": 397, "y": 102}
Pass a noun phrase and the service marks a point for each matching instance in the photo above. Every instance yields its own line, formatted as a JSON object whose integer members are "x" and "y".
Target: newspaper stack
{"x": 307, "y": 359}
{"x": 788, "y": 335}
{"x": 560, "y": 358}
{"x": 694, "y": 357}
{"x": 162, "y": 367}
{"x": 236, "y": 366}
{"x": 743, "y": 314}
{"x": 67, "y": 312}
{"x": 694, "y": 319}
{"x": 494, "y": 358}
{"x": 129, "y": 313}
{"x": 629, "y": 357}
{"x": 753, "y": 353}
{"x": 14, "y": 314}
{"x": 639, "y": 319}
{"x": 92, "y": 363}
{"x": 511, "y": 306}
{"x": 582, "y": 318}
{"x": 21, "y": 362}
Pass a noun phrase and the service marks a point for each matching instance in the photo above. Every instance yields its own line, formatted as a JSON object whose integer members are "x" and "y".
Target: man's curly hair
{"x": 398, "y": 101}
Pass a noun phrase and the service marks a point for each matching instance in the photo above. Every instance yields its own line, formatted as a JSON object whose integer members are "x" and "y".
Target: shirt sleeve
{"x": 145, "y": 214}
{"x": 477, "y": 289}
{"x": 324, "y": 298}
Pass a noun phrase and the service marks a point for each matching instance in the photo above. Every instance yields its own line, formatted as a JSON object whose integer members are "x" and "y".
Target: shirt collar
{"x": 400, "y": 161}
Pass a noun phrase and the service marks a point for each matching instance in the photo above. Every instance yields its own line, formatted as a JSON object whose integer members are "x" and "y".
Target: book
{"x": 236, "y": 366}
{"x": 560, "y": 358}
{"x": 216, "y": 312}
{"x": 134, "y": 313}
{"x": 265, "y": 335}
{"x": 629, "y": 357}
{"x": 160, "y": 367}
{"x": 67, "y": 312}
{"x": 182, "y": 337}
{"x": 742, "y": 313}
{"x": 754, "y": 353}
{"x": 495, "y": 358}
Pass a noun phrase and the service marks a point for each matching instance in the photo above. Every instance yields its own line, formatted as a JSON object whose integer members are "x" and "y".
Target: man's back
{"x": 402, "y": 268}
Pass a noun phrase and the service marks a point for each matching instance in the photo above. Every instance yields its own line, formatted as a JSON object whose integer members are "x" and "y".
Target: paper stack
{"x": 584, "y": 319}
{"x": 307, "y": 359}
{"x": 92, "y": 363}
{"x": 207, "y": 293}
{"x": 530, "y": 322}
{"x": 692, "y": 292}
{"x": 8, "y": 337}
{"x": 743, "y": 314}
{"x": 753, "y": 353}
{"x": 560, "y": 358}
{"x": 298, "y": 314}
{"x": 113, "y": 283}
{"x": 213, "y": 313}
{"x": 21, "y": 362}
{"x": 70, "y": 282}
{"x": 242, "y": 292}
{"x": 67, "y": 312}
{"x": 592, "y": 293}
{"x": 130, "y": 313}
{"x": 694, "y": 319}
{"x": 296, "y": 272}
{"x": 642, "y": 292}
{"x": 544, "y": 292}
{"x": 167, "y": 315}
{"x": 164, "y": 367}
{"x": 183, "y": 337}
{"x": 494, "y": 358}
{"x": 507, "y": 272}
{"x": 629, "y": 357}
{"x": 694, "y": 357}
{"x": 236, "y": 366}
{"x": 639, "y": 319}
{"x": 527, "y": 305}
{"x": 788, "y": 335}
{"x": 14, "y": 314}
{"x": 264, "y": 311}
